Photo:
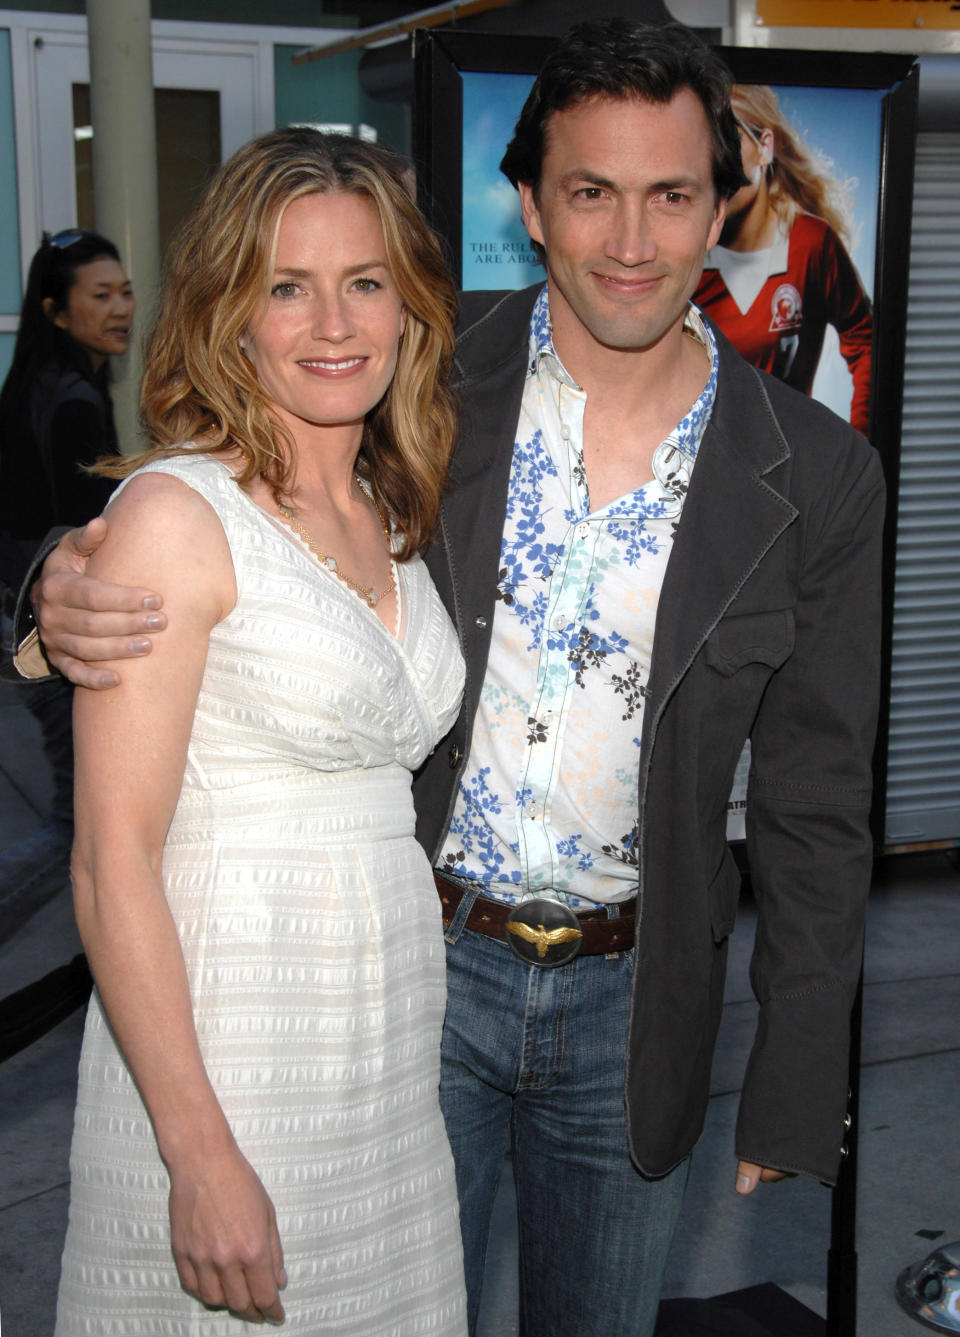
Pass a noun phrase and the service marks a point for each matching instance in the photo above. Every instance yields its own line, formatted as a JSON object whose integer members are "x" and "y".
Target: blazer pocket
{"x": 751, "y": 638}
{"x": 723, "y": 896}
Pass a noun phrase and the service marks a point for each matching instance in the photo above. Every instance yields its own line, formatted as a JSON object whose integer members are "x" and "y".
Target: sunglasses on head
{"x": 68, "y": 237}
{"x": 749, "y": 130}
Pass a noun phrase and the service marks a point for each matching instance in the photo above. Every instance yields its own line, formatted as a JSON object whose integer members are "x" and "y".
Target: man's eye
{"x": 674, "y": 197}
{"x": 590, "y": 193}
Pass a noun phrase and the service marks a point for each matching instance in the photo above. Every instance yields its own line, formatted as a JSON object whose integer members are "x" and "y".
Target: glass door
{"x": 205, "y": 108}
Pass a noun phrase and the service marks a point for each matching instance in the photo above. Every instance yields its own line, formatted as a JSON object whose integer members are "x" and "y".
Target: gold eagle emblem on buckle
{"x": 543, "y": 932}
{"x": 543, "y": 938}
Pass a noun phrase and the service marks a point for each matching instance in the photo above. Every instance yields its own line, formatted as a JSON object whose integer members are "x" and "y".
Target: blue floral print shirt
{"x": 547, "y": 804}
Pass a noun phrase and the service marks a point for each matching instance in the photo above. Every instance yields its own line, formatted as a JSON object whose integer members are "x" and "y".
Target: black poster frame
{"x": 441, "y": 57}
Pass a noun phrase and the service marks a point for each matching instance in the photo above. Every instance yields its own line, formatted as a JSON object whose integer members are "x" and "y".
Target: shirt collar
{"x": 542, "y": 352}
{"x": 688, "y": 433}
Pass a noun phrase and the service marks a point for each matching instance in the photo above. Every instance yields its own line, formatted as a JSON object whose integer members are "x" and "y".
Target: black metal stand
{"x": 29, "y": 1013}
{"x": 842, "y": 1255}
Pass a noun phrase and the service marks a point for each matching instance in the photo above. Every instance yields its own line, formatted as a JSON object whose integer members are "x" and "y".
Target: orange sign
{"x": 860, "y": 13}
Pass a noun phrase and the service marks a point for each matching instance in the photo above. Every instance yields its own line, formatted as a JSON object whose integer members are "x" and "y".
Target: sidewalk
{"x": 909, "y": 1151}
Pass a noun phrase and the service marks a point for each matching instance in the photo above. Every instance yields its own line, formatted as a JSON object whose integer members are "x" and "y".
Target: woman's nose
{"x": 331, "y": 320}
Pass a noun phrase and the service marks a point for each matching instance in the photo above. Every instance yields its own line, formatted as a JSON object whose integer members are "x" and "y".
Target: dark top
{"x": 66, "y": 423}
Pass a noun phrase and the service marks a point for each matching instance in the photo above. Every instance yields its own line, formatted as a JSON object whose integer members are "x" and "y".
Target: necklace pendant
{"x": 369, "y": 596}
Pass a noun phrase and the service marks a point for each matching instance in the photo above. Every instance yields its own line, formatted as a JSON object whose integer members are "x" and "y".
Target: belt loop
{"x": 613, "y": 912}
{"x": 467, "y": 900}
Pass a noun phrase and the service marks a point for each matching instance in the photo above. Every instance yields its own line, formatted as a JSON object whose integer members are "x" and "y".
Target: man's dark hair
{"x": 619, "y": 59}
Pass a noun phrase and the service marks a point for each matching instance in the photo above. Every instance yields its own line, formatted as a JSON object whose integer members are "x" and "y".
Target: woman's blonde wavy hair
{"x": 796, "y": 182}
{"x": 199, "y": 387}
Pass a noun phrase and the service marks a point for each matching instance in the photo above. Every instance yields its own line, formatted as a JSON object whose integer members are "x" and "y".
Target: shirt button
{"x": 532, "y": 811}
{"x": 481, "y": 622}
{"x": 583, "y": 530}
{"x": 559, "y": 622}
{"x": 565, "y": 432}
{"x": 454, "y": 755}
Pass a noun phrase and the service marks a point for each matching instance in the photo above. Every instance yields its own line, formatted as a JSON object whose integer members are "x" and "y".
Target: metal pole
{"x": 125, "y": 171}
{"x": 842, "y": 1255}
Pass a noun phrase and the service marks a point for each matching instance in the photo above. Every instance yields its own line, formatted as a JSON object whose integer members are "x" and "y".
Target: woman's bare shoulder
{"x": 164, "y": 534}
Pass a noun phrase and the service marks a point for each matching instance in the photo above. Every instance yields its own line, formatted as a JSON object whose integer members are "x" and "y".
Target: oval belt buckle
{"x": 543, "y": 932}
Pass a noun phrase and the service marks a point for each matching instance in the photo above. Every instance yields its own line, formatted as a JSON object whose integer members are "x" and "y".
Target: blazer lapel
{"x": 731, "y": 518}
{"x": 491, "y": 365}
{"x": 465, "y": 562}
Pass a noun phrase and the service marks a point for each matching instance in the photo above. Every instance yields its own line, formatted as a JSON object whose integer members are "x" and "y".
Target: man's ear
{"x": 716, "y": 227}
{"x": 530, "y": 212}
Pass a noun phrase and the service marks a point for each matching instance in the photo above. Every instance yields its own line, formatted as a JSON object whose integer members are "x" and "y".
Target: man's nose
{"x": 631, "y": 240}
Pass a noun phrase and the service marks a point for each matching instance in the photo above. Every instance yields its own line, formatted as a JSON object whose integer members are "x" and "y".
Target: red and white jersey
{"x": 778, "y": 317}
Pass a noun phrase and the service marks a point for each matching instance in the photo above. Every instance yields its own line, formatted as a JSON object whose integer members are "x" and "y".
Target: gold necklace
{"x": 368, "y": 594}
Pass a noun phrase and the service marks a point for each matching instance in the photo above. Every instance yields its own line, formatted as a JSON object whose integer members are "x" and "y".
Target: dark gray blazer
{"x": 768, "y": 627}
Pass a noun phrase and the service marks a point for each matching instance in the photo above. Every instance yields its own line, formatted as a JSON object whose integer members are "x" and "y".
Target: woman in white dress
{"x": 257, "y": 1135}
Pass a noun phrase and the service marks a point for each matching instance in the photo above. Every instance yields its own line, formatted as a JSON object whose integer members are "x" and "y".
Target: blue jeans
{"x": 534, "y": 1059}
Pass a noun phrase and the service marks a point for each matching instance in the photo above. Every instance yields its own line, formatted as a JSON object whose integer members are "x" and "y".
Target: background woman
{"x": 781, "y": 273}
{"x": 55, "y": 410}
{"x": 55, "y": 417}
{"x": 257, "y": 1109}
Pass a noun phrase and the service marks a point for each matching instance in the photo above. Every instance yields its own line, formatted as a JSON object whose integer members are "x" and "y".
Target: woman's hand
{"x": 225, "y": 1239}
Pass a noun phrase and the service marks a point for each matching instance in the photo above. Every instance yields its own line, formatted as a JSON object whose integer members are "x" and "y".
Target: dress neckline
{"x": 291, "y": 537}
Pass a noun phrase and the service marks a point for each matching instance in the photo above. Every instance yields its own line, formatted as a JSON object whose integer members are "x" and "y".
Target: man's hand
{"x": 83, "y": 621}
{"x": 750, "y": 1175}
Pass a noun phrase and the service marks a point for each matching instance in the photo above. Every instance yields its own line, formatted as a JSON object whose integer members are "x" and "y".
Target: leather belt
{"x": 600, "y": 934}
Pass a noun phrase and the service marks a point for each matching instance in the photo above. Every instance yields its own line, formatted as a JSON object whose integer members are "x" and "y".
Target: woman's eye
{"x": 286, "y": 289}
{"x": 367, "y": 285}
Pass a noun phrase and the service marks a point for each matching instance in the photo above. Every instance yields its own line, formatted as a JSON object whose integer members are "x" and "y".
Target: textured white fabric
{"x": 312, "y": 937}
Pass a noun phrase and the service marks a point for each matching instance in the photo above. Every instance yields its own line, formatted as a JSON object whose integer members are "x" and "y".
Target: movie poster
{"x": 854, "y": 117}
{"x": 841, "y": 128}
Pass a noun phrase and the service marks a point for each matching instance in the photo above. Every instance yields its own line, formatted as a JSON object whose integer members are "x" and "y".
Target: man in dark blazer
{"x": 720, "y": 537}
{"x": 766, "y": 628}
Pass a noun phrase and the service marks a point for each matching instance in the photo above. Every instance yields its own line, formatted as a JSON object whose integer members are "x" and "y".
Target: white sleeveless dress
{"x": 312, "y": 937}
